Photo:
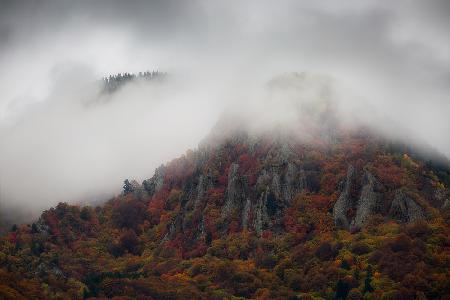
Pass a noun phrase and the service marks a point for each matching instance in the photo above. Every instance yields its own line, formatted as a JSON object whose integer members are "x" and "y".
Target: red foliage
{"x": 156, "y": 205}
{"x": 178, "y": 170}
{"x": 223, "y": 179}
{"x": 389, "y": 174}
{"x": 197, "y": 251}
{"x": 234, "y": 227}
{"x": 267, "y": 234}
{"x": 12, "y": 238}
{"x": 52, "y": 221}
{"x": 128, "y": 212}
{"x": 248, "y": 163}
{"x": 241, "y": 148}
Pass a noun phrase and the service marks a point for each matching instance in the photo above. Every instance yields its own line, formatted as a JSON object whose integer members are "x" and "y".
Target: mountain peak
{"x": 310, "y": 207}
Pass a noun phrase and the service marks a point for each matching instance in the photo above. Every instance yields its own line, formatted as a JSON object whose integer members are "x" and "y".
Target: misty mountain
{"x": 306, "y": 205}
{"x": 293, "y": 150}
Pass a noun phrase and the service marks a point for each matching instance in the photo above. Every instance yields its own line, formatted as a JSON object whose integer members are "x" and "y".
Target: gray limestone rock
{"x": 263, "y": 182}
{"x": 368, "y": 202}
{"x": 236, "y": 191}
{"x": 276, "y": 184}
{"x": 201, "y": 189}
{"x": 245, "y": 213}
{"x": 294, "y": 182}
{"x": 344, "y": 202}
{"x": 155, "y": 183}
{"x": 446, "y": 205}
{"x": 441, "y": 197}
{"x": 260, "y": 211}
{"x": 405, "y": 209}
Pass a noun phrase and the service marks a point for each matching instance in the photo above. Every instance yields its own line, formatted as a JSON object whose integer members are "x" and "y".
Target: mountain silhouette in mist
{"x": 308, "y": 209}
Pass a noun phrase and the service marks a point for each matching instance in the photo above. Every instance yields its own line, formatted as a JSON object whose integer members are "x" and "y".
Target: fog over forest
{"x": 62, "y": 138}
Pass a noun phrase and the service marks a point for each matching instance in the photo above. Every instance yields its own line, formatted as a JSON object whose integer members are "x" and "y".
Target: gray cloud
{"x": 394, "y": 56}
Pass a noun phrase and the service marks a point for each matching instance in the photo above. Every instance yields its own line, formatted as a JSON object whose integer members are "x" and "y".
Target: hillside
{"x": 313, "y": 212}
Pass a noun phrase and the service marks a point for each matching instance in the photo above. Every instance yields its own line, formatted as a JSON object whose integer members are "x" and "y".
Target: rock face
{"x": 405, "y": 209}
{"x": 261, "y": 217}
{"x": 446, "y": 205}
{"x": 366, "y": 205}
{"x": 262, "y": 184}
{"x": 246, "y": 213}
{"x": 155, "y": 183}
{"x": 368, "y": 202}
{"x": 236, "y": 191}
{"x": 276, "y": 185}
{"x": 344, "y": 203}
{"x": 294, "y": 182}
{"x": 201, "y": 189}
{"x": 441, "y": 198}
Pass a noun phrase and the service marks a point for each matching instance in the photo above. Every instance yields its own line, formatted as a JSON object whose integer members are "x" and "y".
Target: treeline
{"x": 113, "y": 82}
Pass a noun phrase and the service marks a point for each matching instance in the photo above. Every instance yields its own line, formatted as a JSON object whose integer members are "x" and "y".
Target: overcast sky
{"x": 393, "y": 54}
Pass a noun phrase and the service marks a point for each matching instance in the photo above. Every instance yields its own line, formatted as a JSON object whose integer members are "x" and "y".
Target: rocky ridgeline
{"x": 282, "y": 176}
{"x": 370, "y": 202}
{"x": 277, "y": 183}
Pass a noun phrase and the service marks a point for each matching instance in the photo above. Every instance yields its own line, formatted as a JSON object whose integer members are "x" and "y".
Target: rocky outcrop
{"x": 294, "y": 182}
{"x": 45, "y": 269}
{"x": 368, "y": 202}
{"x": 236, "y": 191}
{"x": 155, "y": 183}
{"x": 176, "y": 225}
{"x": 441, "y": 198}
{"x": 260, "y": 211}
{"x": 246, "y": 213}
{"x": 405, "y": 209}
{"x": 276, "y": 184}
{"x": 446, "y": 205}
{"x": 344, "y": 202}
{"x": 200, "y": 188}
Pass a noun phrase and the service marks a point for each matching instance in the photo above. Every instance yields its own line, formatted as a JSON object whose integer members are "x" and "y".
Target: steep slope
{"x": 327, "y": 212}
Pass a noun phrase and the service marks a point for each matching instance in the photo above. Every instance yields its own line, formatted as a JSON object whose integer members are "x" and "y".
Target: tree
{"x": 85, "y": 213}
{"x": 354, "y": 294}
{"x": 128, "y": 187}
{"x": 129, "y": 213}
{"x": 342, "y": 289}
{"x": 368, "y": 281}
{"x": 34, "y": 228}
{"x": 129, "y": 242}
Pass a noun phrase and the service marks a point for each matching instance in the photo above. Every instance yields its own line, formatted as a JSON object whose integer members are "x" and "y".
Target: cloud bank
{"x": 55, "y": 146}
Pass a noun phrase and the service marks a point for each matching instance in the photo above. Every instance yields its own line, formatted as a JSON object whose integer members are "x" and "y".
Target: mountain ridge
{"x": 311, "y": 211}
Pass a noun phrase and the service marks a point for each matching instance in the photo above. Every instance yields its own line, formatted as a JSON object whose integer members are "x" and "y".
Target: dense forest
{"x": 267, "y": 217}
{"x": 294, "y": 150}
